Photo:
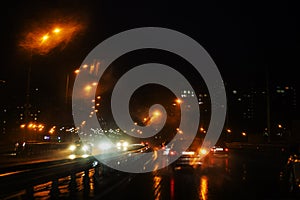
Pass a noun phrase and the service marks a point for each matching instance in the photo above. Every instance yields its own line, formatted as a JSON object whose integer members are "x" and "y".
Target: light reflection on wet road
{"x": 239, "y": 175}
{"x": 244, "y": 175}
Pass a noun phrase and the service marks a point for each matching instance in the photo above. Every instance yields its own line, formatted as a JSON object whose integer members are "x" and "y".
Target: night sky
{"x": 244, "y": 39}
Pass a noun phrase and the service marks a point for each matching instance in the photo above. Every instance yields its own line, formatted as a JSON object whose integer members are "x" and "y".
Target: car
{"x": 80, "y": 148}
{"x": 219, "y": 150}
{"x": 122, "y": 145}
{"x": 168, "y": 151}
{"x": 190, "y": 158}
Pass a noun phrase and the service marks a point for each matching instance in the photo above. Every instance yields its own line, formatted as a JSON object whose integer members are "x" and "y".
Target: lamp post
{"x": 43, "y": 39}
{"x": 68, "y": 85}
{"x": 27, "y": 100}
{"x": 268, "y": 104}
{"x": 37, "y": 43}
{"x": 37, "y": 46}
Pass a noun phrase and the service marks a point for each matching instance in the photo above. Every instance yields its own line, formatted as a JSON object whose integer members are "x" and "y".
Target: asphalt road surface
{"x": 241, "y": 174}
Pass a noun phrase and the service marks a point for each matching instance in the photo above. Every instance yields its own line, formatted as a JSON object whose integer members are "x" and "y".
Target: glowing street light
{"x": 202, "y": 130}
{"x": 88, "y": 88}
{"x": 179, "y": 101}
{"x": 45, "y": 38}
{"x": 41, "y": 41}
{"x": 156, "y": 113}
{"x": 56, "y": 30}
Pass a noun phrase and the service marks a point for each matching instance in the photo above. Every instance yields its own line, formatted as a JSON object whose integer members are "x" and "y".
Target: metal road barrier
{"x": 23, "y": 181}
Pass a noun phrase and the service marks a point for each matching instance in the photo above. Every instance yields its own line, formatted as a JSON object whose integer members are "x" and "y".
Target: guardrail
{"x": 23, "y": 180}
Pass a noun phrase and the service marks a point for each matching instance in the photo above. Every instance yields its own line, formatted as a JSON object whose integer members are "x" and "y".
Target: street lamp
{"x": 68, "y": 85}
{"x": 179, "y": 101}
{"x": 40, "y": 42}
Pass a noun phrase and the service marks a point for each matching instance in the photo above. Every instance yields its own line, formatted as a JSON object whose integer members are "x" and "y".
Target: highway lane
{"x": 241, "y": 175}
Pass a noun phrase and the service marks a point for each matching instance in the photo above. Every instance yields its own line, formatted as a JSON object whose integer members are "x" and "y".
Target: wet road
{"x": 240, "y": 175}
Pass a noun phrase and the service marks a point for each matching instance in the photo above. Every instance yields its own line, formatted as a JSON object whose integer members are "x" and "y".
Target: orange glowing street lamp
{"x": 179, "y": 101}
{"x": 45, "y": 38}
{"x": 156, "y": 113}
{"x": 41, "y": 41}
{"x": 56, "y": 30}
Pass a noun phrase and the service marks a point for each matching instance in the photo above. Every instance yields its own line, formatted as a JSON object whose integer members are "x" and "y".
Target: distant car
{"x": 167, "y": 151}
{"x": 190, "y": 158}
{"x": 122, "y": 145}
{"x": 219, "y": 150}
{"x": 80, "y": 148}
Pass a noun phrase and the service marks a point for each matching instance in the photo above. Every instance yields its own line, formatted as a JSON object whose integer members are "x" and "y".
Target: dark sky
{"x": 242, "y": 37}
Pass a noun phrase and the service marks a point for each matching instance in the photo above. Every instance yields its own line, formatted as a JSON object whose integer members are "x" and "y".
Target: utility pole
{"x": 67, "y": 89}
{"x": 27, "y": 97}
{"x": 268, "y": 99}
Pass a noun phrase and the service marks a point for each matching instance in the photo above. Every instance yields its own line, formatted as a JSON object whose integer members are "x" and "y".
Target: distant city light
{"x": 46, "y": 137}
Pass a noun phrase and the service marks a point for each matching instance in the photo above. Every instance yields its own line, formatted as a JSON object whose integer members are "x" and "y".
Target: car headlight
{"x": 72, "y": 147}
{"x": 119, "y": 144}
{"x": 203, "y": 151}
{"x": 125, "y": 144}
